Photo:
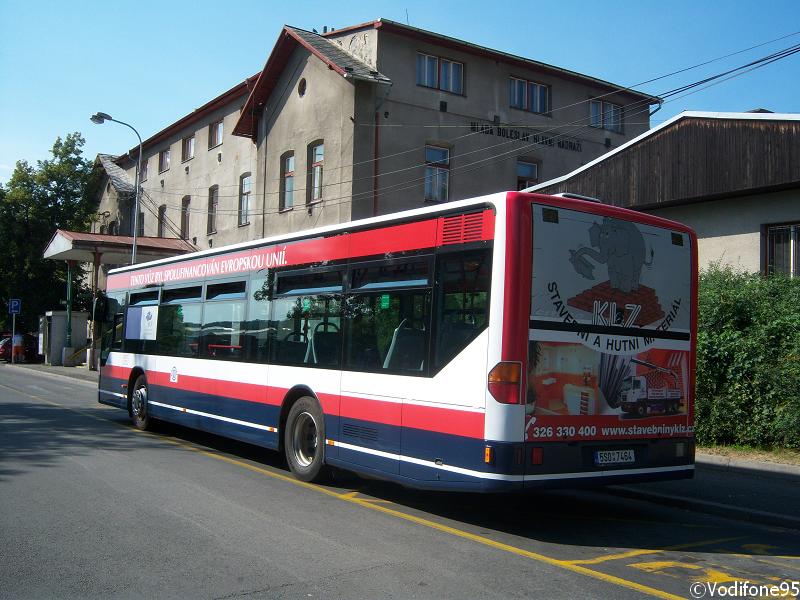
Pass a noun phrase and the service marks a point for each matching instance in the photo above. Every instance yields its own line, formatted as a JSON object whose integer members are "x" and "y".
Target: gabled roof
{"x": 504, "y": 57}
{"x": 116, "y": 175}
{"x": 694, "y": 156}
{"x": 343, "y": 63}
{"x": 687, "y": 114}
{"x": 111, "y": 249}
{"x": 237, "y": 91}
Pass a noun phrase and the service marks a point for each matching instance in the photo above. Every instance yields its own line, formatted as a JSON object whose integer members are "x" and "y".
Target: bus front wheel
{"x": 304, "y": 439}
{"x": 139, "y": 409}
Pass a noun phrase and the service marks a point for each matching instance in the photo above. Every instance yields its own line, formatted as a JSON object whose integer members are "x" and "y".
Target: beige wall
{"x": 410, "y": 118}
{"x": 729, "y": 230}
{"x": 222, "y": 166}
{"x": 291, "y": 122}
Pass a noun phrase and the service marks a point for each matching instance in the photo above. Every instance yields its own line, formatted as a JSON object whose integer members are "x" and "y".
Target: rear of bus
{"x": 609, "y": 299}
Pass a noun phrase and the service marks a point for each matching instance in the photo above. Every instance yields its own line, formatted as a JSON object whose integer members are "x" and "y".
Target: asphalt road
{"x": 91, "y": 508}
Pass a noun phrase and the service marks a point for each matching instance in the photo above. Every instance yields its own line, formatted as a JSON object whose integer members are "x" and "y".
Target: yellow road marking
{"x": 349, "y": 497}
{"x": 633, "y": 553}
{"x": 709, "y": 575}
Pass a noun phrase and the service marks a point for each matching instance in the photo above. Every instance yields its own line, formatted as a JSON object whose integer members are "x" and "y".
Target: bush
{"x": 748, "y": 360}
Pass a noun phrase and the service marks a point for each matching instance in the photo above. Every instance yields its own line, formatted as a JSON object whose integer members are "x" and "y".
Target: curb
{"x": 751, "y": 467}
{"x": 63, "y": 376}
{"x": 705, "y": 506}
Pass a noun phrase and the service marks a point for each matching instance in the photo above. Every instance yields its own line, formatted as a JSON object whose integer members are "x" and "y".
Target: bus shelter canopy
{"x": 111, "y": 249}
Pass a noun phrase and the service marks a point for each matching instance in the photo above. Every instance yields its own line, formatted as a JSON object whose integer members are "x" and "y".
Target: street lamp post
{"x": 99, "y": 118}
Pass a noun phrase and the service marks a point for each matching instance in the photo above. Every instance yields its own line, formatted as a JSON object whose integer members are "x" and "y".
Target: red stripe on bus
{"x": 115, "y": 372}
{"x": 216, "y": 387}
{"x": 452, "y": 421}
{"x": 444, "y": 420}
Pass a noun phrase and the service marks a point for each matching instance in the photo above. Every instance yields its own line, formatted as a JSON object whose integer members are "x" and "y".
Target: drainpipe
{"x": 375, "y": 166}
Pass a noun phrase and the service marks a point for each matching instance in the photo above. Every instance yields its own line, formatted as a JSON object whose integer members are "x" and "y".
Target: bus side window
{"x": 306, "y": 316}
{"x": 223, "y": 321}
{"x": 179, "y": 319}
{"x": 463, "y": 280}
{"x": 388, "y": 316}
{"x": 258, "y": 331}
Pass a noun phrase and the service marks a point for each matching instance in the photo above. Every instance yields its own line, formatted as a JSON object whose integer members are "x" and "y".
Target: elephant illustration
{"x": 620, "y": 245}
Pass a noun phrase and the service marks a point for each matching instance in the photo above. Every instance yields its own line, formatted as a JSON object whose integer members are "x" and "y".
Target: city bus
{"x": 500, "y": 343}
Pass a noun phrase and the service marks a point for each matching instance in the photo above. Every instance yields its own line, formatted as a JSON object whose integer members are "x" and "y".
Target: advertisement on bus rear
{"x": 609, "y": 332}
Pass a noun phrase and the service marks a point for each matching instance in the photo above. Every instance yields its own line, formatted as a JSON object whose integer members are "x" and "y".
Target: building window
{"x": 244, "y": 199}
{"x": 185, "y": 217}
{"x": 215, "y": 134}
{"x": 287, "y": 181}
{"x": 163, "y": 160}
{"x": 162, "y": 220}
{"x": 143, "y": 172}
{"x": 605, "y": 115}
{"x": 440, "y": 73}
{"x": 316, "y": 159}
{"x": 783, "y": 249}
{"x": 437, "y": 173}
{"x": 140, "y": 225}
{"x": 529, "y": 95}
{"x": 187, "y": 148}
{"x": 527, "y": 174}
{"x": 213, "y": 204}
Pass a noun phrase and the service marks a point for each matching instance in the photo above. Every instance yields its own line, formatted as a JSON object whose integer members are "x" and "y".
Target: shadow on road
{"x": 588, "y": 518}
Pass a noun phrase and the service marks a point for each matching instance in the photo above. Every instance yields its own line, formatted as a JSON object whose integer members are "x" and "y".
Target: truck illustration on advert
{"x": 657, "y": 390}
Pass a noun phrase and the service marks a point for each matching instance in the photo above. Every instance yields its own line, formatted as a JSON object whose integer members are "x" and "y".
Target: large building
{"x": 733, "y": 177}
{"x": 360, "y": 121}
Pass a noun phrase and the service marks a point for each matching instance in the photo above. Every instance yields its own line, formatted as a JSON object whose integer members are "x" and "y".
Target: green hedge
{"x": 748, "y": 360}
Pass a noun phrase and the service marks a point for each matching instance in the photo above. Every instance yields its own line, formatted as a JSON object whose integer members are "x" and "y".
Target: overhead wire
{"x": 616, "y": 90}
{"x": 578, "y": 124}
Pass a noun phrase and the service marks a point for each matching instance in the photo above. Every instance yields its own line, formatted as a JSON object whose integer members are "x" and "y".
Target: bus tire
{"x": 140, "y": 415}
{"x": 304, "y": 439}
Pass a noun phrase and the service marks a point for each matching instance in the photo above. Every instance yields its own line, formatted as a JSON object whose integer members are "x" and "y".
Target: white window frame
{"x": 428, "y": 64}
{"x": 163, "y": 160}
{"x": 187, "y": 148}
{"x": 316, "y": 170}
{"x": 601, "y": 115}
{"x": 213, "y": 209}
{"x": 437, "y": 175}
{"x": 523, "y": 181}
{"x": 215, "y": 132}
{"x": 287, "y": 181}
{"x": 244, "y": 199}
{"x": 524, "y": 94}
{"x": 794, "y": 248}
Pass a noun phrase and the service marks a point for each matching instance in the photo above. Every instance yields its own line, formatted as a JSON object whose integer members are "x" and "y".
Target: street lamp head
{"x": 100, "y": 118}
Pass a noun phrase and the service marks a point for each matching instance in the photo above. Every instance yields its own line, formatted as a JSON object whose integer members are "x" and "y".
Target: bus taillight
{"x": 504, "y": 382}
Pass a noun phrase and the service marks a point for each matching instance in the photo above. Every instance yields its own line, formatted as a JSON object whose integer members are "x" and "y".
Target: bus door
{"x": 306, "y": 333}
{"x": 388, "y": 328}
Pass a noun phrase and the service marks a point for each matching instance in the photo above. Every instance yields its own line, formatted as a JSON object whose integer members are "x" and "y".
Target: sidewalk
{"x": 83, "y": 373}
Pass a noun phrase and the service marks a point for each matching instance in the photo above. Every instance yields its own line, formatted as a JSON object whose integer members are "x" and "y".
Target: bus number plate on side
{"x": 614, "y": 457}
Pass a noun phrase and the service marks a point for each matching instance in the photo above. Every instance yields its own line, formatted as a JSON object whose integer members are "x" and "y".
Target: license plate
{"x": 614, "y": 457}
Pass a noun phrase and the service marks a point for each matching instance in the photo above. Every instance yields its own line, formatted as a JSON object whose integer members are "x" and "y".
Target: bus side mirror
{"x": 99, "y": 307}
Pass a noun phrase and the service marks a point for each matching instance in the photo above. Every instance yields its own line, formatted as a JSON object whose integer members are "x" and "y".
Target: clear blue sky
{"x": 151, "y": 62}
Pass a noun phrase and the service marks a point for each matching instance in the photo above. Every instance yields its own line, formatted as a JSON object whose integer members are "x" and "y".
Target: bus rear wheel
{"x": 304, "y": 439}
{"x": 139, "y": 409}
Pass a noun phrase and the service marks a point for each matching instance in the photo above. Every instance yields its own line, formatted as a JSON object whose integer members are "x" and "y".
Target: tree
{"x": 59, "y": 193}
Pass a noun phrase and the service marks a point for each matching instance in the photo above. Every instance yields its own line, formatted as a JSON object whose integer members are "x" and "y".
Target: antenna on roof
{"x": 407, "y": 23}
